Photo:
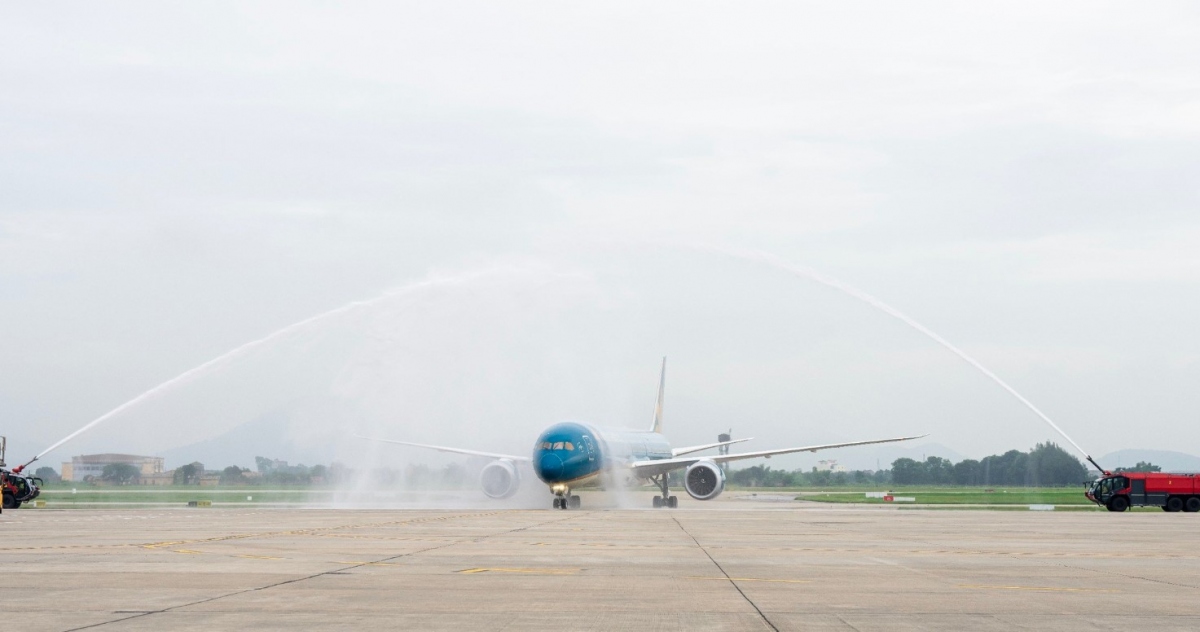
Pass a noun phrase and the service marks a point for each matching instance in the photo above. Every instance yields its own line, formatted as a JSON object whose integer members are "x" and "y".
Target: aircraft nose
{"x": 550, "y": 466}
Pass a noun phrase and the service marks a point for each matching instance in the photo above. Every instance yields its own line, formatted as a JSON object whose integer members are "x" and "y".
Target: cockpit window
{"x": 568, "y": 445}
{"x": 558, "y": 445}
{"x": 545, "y": 445}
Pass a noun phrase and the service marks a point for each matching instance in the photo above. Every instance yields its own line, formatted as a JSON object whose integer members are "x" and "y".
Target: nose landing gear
{"x": 564, "y": 500}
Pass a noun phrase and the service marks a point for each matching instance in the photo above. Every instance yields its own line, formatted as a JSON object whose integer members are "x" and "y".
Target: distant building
{"x": 159, "y": 479}
{"x": 830, "y": 465}
{"x": 81, "y": 467}
{"x": 270, "y": 466}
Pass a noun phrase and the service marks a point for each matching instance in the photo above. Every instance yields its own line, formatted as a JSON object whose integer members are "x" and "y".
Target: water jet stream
{"x": 294, "y": 327}
{"x": 812, "y": 275}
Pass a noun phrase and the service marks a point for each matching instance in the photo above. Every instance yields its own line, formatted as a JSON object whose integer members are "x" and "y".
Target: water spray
{"x": 812, "y": 275}
{"x": 290, "y": 329}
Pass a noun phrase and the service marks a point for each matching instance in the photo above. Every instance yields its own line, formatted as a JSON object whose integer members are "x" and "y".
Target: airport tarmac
{"x": 725, "y": 565}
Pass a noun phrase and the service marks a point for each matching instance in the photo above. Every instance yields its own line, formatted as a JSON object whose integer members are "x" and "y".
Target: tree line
{"x": 269, "y": 472}
{"x": 1046, "y": 465}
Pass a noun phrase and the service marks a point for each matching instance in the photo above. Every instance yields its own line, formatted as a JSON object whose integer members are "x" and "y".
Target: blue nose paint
{"x": 550, "y": 466}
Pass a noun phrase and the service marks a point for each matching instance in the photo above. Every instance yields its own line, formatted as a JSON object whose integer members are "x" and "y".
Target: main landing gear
{"x": 565, "y": 500}
{"x": 666, "y": 500}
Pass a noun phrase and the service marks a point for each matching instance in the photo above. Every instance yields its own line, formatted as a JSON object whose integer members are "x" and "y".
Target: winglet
{"x": 658, "y": 405}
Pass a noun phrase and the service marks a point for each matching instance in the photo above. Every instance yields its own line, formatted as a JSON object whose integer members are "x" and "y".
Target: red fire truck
{"x": 1172, "y": 492}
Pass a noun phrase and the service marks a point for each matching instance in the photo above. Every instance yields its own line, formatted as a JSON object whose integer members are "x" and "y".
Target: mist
{"x": 486, "y": 357}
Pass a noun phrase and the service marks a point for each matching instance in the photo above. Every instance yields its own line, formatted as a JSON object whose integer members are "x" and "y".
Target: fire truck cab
{"x": 1171, "y": 492}
{"x": 16, "y": 488}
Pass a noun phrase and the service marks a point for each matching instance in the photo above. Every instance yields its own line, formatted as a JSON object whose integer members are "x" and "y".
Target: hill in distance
{"x": 1168, "y": 460}
{"x": 267, "y": 436}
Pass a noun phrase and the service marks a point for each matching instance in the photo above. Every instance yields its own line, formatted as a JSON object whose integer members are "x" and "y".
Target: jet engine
{"x": 500, "y": 479}
{"x": 704, "y": 480}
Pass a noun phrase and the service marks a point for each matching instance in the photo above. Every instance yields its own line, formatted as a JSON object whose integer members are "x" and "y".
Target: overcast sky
{"x": 179, "y": 179}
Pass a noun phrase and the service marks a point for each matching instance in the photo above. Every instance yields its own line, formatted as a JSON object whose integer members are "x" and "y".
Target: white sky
{"x": 176, "y": 180}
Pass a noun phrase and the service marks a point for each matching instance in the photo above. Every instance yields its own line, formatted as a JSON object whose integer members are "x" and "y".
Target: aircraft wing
{"x": 698, "y": 448}
{"x": 654, "y": 467}
{"x": 490, "y": 455}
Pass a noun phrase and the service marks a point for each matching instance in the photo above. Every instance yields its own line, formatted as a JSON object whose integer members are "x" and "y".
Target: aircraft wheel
{"x": 10, "y": 502}
{"x": 1174, "y": 504}
{"x": 658, "y": 502}
{"x": 557, "y": 503}
{"x": 1192, "y": 505}
{"x": 1118, "y": 504}
{"x": 673, "y": 502}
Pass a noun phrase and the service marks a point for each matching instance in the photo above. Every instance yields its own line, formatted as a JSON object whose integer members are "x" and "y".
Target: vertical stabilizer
{"x": 658, "y": 404}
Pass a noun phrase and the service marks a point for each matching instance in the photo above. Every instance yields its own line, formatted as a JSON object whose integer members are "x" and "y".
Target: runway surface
{"x": 725, "y": 565}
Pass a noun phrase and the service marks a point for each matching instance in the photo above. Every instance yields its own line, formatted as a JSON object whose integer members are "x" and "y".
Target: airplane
{"x": 573, "y": 454}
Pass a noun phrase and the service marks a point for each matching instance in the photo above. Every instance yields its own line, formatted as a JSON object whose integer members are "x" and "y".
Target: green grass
{"x": 63, "y": 496}
{"x": 791, "y": 490}
{"x": 1023, "y": 508}
{"x": 962, "y": 496}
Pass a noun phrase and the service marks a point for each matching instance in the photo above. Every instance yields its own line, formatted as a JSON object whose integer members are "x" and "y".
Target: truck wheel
{"x": 1192, "y": 505}
{"x": 1120, "y": 503}
{"x": 10, "y": 502}
{"x": 1174, "y": 504}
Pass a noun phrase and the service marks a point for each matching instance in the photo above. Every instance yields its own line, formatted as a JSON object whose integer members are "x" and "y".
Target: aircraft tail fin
{"x": 658, "y": 404}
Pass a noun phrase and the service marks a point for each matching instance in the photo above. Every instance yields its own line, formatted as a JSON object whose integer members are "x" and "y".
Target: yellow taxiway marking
{"x": 318, "y": 531}
{"x": 1036, "y": 588}
{"x": 188, "y": 552}
{"x": 530, "y": 571}
{"x": 161, "y": 545}
{"x": 754, "y": 579}
{"x": 261, "y": 557}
